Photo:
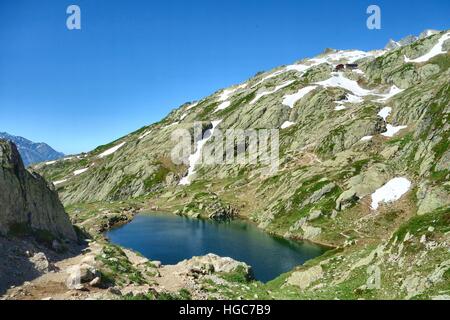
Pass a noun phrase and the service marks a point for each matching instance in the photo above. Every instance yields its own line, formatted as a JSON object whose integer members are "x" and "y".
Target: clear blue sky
{"x": 134, "y": 61}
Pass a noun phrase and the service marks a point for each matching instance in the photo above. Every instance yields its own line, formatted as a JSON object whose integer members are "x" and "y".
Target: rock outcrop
{"x": 304, "y": 279}
{"x": 28, "y": 204}
{"x": 212, "y": 263}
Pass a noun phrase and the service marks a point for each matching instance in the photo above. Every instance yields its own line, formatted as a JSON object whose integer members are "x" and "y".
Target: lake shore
{"x": 154, "y": 233}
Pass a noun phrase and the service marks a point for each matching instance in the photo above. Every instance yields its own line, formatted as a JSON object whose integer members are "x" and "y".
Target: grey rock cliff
{"x": 27, "y": 202}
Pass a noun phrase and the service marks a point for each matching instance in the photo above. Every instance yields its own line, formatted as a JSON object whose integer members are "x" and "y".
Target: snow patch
{"x": 392, "y": 92}
{"x": 50, "y": 163}
{"x": 171, "y": 125}
{"x": 223, "y": 106}
{"x": 366, "y": 138}
{"x": 390, "y": 192}
{"x": 302, "y": 68}
{"x": 435, "y": 51}
{"x": 226, "y": 94}
{"x": 266, "y": 93}
{"x": 270, "y": 76}
{"x": 111, "y": 150}
{"x": 287, "y": 124}
{"x": 78, "y": 172}
{"x": 192, "y": 106}
{"x": 350, "y": 98}
{"x": 385, "y": 113}
{"x": 392, "y": 131}
{"x": 59, "y": 182}
{"x": 354, "y": 99}
{"x": 144, "y": 135}
{"x": 195, "y": 157}
{"x": 350, "y": 56}
{"x": 291, "y": 99}
{"x": 338, "y": 80}
{"x": 299, "y": 67}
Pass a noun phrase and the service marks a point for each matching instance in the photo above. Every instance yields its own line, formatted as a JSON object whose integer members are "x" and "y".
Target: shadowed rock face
{"x": 27, "y": 202}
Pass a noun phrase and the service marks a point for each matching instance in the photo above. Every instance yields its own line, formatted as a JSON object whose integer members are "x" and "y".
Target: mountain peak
{"x": 30, "y": 151}
{"x": 428, "y": 33}
{"x": 410, "y": 39}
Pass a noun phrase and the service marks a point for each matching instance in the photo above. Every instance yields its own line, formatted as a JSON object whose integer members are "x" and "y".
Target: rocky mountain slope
{"x": 31, "y": 216}
{"x": 364, "y": 167}
{"x": 27, "y": 202}
{"x": 32, "y": 152}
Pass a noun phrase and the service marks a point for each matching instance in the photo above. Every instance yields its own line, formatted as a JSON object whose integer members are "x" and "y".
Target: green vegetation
{"x": 21, "y": 230}
{"x": 117, "y": 267}
{"x": 443, "y": 61}
{"x": 439, "y": 220}
{"x": 183, "y": 294}
{"x": 435, "y": 112}
{"x": 207, "y": 110}
{"x": 297, "y": 206}
{"x": 402, "y": 141}
{"x": 156, "y": 178}
{"x": 239, "y": 275}
{"x": 239, "y": 103}
{"x": 105, "y": 147}
{"x": 118, "y": 188}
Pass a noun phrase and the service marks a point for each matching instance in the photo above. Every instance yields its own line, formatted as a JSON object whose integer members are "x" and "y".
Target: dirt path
{"x": 52, "y": 285}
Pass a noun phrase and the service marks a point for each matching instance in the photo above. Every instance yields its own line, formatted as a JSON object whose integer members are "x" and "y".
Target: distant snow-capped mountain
{"x": 32, "y": 152}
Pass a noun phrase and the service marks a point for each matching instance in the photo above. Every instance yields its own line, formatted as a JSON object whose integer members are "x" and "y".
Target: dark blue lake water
{"x": 171, "y": 239}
